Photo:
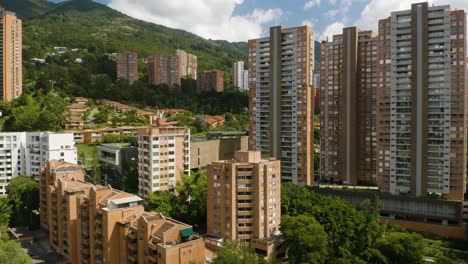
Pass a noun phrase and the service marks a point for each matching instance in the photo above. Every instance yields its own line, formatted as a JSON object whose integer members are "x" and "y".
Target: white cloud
{"x": 208, "y": 18}
{"x": 311, "y": 4}
{"x": 332, "y": 13}
{"x": 307, "y": 23}
{"x": 379, "y": 9}
{"x": 332, "y": 2}
{"x": 333, "y": 29}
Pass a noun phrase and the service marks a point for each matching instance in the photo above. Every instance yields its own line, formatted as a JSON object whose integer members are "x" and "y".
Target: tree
{"x": 400, "y": 247}
{"x": 191, "y": 200}
{"x": 11, "y": 252}
{"x": 23, "y": 193}
{"x": 306, "y": 239}
{"x": 161, "y": 201}
{"x": 235, "y": 252}
{"x": 111, "y": 138}
{"x": 5, "y": 211}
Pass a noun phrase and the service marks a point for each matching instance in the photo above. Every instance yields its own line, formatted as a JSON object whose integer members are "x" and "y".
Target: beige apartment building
{"x": 96, "y": 224}
{"x": 244, "y": 201}
{"x": 210, "y": 81}
{"x": 348, "y": 83}
{"x": 170, "y": 69}
{"x": 127, "y": 66}
{"x": 163, "y": 157}
{"x": 422, "y": 102}
{"x": 11, "y": 58}
{"x": 281, "y": 100}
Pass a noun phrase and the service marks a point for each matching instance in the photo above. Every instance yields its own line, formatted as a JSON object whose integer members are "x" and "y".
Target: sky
{"x": 240, "y": 20}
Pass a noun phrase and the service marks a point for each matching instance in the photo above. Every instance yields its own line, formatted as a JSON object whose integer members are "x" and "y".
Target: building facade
{"x": 281, "y": 100}
{"x": 95, "y": 224}
{"x": 163, "y": 157}
{"x": 240, "y": 76}
{"x": 24, "y": 153}
{"x": 422, "y": 102}
{"x": 348, "y": 83}
{"x": 11, "y": 58}
{"x": 188, "y": 64}
{"x": 127, "y": 66}
{"x": 244, "y": 200}
{"x": 210, "y": 81}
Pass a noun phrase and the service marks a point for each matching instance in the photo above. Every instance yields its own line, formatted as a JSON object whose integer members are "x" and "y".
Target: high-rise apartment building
{"x": 170, "y": 69}
{"x": 163, "y": 157}
{"x": 244, "y": 200}
{"x": 281, "y": 99}
{"x": 210, "y": 81}
{"x": 422, "y": 107}
{"x": 127, "y": 66}
{"x": 163, "y": 69}
{"x": 24, "y": 153}
{"x": 348, "y": 83}
{"x": 90, "y": 223}
{"x": 11, "y": 58}
{"x": 240, "y": 77}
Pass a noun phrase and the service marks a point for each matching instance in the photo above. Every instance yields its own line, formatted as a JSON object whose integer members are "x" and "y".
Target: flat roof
{"x": 130, "y": 199}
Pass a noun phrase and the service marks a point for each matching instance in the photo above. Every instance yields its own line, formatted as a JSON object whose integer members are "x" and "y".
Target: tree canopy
{"x": 23, "y": 193}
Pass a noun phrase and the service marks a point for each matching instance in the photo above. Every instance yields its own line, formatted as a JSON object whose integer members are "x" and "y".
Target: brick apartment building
{"x": 244, "y": 201}
{"x": 95, "y": 224}
{"x": 348, "y": 83}
{"x": 210, "y": 81}
{"x": 127, "y": 66}
{"x": 170, "y": 69}
{"x": 281, "y": 100}
{"x": 163, "y": 157}
{"x": 11, "y": 58}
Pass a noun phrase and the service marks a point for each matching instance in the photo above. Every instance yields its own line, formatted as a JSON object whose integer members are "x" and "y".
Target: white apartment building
{"x": 281, "y": 98}
{"x": 240, "y": 77}
{"x": 24, "y": 153}
{"x": 423, "y": 102}
{"x": 163, "y": 158}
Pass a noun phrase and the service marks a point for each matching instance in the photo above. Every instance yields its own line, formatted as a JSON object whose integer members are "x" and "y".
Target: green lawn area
{"x": 88, "y": 152}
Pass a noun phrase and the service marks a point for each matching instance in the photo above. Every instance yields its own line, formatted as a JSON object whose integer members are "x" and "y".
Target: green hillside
{"x": 27, "y": 8}
{"x": 100, "y": 29}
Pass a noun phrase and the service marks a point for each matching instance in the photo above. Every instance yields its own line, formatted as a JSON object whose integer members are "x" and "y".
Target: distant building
{"x": 170, "y": 69}
{"x": 281, "y": 99}
{"x": 127, "y": 66}
{"x": 24, "y": 153}
{"x": 116, "y": 160}
{"x": 11, "y": 56}
{"x": 240, "y": 76}
{"x": 90, "y": 223}
{"x": 163, "y": 157}
{"x": 244, "y": 201}
{"x": 210, "y": 81}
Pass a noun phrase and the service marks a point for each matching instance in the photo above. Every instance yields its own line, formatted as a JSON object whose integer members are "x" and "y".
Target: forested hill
{"x": 98, "y": 28}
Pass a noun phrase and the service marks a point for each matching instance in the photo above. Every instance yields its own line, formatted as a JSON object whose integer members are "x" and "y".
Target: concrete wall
{"x": 203, "y": 153}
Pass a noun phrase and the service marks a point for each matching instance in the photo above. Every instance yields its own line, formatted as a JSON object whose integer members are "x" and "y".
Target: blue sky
{"x": 240, "y": 20}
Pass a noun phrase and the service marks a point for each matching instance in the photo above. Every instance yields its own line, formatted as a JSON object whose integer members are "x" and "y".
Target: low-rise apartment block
{"x": 210, "y": 81}
{"x": 23, "y": 153}
{"x": 244, "y": 201}
{"x": 95, "y": 224}
{"x": 163, "y": 157}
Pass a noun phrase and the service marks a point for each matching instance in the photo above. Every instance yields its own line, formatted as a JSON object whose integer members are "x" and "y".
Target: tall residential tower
{"x": 11, "y": 47}
{"x": 281, "y": 100}
{"x": 348, "y": 82}
{"x": 127, "y": 66}
{"x": 422, "y": 109}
